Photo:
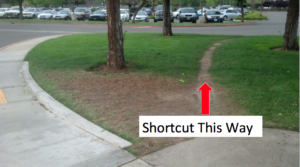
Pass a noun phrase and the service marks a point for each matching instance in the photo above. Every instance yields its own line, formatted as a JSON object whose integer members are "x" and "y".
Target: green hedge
{"x": 254, "y": 15}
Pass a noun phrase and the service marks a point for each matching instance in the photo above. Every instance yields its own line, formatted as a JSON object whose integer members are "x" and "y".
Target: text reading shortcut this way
{"x": 199, "y": 126}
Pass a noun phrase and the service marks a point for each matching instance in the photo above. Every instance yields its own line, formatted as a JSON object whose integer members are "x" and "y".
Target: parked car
{"x": 188, "y": 15}
{"x": 47, "y": 14}
{"x": 14, "y": 12}
{"x": 98, "y": 15}
{"x": 148, "y": 11}
{"x": 176, "y": 13}
{"x": 159, "y": 14}
{"x": 69, "y": 10}
{"x": 31, "y": 13}
{"x": 213, "y": 16}
{"x": 82, "y": 13}
{"x": 2, "y": 11}
{"x": 62, "y": 15}
{"x": 141, "y": 16}
{"x": 124, "y": 15}
{"x": 197, "y": 14}
{"x": 104, "y": 10}
{"x": 230, "y": 14}
{"x": 57, "y": 9}
{"x": 240, "y": 10}
{"x": 225, "y": 7}
{"x": 202, "y": 11}
{"x": 132, "y": 10}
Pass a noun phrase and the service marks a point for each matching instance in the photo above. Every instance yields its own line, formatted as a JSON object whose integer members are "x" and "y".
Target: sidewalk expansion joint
{"x": 23, "y": 101}
{"x": 11, "y": 61}
{"x": 3, "y": 99}
{"x": 14, "y": 86}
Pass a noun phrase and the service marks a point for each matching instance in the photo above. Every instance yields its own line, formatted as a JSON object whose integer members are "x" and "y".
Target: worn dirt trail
{"x": 219, "y": 104}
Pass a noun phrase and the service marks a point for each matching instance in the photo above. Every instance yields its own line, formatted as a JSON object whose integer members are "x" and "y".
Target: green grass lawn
{"x": 146, "y": 53}
{"x": 254, "y": 15}
{"x": 124, "y": 23}
{"x": 264, "y": 81}
{"x": 260, "y": 80}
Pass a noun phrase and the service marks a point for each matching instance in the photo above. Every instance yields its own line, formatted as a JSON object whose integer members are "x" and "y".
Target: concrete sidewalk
{"x": 32, "y": 135}
{"x": 277, "y": 148}
{"x": 36, "y": 130}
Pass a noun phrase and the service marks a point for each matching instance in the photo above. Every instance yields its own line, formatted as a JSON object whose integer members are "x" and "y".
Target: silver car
{"x": 62, "y": 15}
{"x": 47, "y": 14}
{"x": 141, "y": 16}
{"x": 31, "y": 13}
{"x": 188, "y": 15}
{"x": 2, "y": 11}
{"x": 230, "y": 14}
{"x": 82, "y": 13}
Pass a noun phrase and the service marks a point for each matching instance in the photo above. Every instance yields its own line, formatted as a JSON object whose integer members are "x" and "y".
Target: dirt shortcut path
{"x": 219, "y": 105}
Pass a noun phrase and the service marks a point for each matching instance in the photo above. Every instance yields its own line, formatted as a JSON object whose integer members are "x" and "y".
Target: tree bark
{"x": 140, "y": 7}
{"x": 167, "y": 28}
{"x": 261, "y": 7}
{"x": 115, "y": 55}
{"x": 291, "y": 26}
{"x": 242, "y": 10}
{"x": 21, "y": 9}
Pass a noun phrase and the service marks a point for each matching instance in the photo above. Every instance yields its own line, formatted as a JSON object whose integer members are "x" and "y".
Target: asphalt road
{"x": 11, "y": 33}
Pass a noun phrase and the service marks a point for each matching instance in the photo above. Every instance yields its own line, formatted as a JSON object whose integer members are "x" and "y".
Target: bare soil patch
{"x": 119, "y": 98}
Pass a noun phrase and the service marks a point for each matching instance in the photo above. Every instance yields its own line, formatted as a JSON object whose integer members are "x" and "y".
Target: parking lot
{"x": 47, "y": 136}
{"x": 18, "y": 32}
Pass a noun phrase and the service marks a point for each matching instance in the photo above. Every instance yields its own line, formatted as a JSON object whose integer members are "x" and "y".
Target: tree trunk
{"x": 21, "y": 9}
{"x": 167, "y": 28}
{"x": 140, "y": 7}
{"x": 261, "y": 7}
{"x": 291, "y": 26}
{"x": 242, "y": 10}
{"x": 115, "y": 55}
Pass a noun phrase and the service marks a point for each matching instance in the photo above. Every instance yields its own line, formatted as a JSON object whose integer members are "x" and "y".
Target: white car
{"x": 141, "y": 16}
{"x": 47, "y": 14}
{"x": 124, "y": 15}
{"x": 2, "y": 11}
{"x": 31, "y": 13}
{"x": 204, "y": 11}
{"x": 14, "y": 12}
{"x": 230, "y": 14}
{"x": 176, "y": 13}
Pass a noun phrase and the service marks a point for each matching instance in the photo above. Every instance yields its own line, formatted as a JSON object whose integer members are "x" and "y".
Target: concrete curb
{"x": 57, "y": 108}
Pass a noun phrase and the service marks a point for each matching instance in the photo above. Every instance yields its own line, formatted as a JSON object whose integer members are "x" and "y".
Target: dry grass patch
{"x": 118, "y": 99}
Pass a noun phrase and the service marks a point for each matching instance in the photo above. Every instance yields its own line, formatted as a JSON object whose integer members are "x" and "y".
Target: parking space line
{"x": 3, "y": 99}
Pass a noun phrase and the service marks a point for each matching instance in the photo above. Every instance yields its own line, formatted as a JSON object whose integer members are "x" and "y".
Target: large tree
{"x": 241, "y": 4}
{"x": 20, "y": 3}
{"x": 115, "y": 55}
{"x": 167, "y": 28}
{"x": 291, "y": 26}
{"x": 261, "y": 6}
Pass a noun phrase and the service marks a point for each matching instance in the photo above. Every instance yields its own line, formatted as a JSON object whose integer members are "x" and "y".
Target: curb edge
{"x": 65, "y": 113}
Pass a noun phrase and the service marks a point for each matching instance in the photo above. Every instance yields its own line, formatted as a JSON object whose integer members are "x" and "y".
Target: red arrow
{"x": 205, "y": 98}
